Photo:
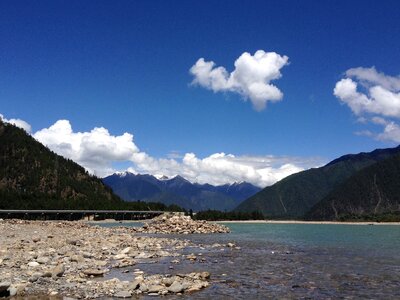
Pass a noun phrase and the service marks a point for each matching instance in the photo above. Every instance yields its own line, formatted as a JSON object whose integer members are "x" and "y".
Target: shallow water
{"x": 294, "y": 261}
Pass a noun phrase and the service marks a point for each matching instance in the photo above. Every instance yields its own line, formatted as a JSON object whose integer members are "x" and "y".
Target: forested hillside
{"x": 371, "y": 194}
{"x": 296, "y": 194}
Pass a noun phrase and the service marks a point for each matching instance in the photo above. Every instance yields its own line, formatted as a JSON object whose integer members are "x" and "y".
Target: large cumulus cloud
{"x": 373, "y": 96}
{"x": 96, "y": 150}
{"x": 251, "y": 77}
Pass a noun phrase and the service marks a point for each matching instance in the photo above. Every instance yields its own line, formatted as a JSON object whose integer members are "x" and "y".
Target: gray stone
{"x": 191, "y": 257}
{"x": 43, "y": 260}
{"x": 175, "y": 287}
{"x": 126, "y": 250}
{"x": 87, "y": 255}
{"x": 58, "y": 271}
{"x": 168, "y": 281}
{"x": 13, "y": 290}
{"x": 123, "y": 294}
{"x": 33, "y": 278}
{"x": 77, "y": 258}
{"x": 35, "y": 239}
{"x": 95, "y": 272}
{"x": 46, "y": 274}
{"x": 120, "y": 256}
{"x": 143, "y": 287}
{"x": 33, "y": 264}
{"x": 71, "y": 242}
{"x": 155, "y": 288}
{"x": 205, "y": 275}
{"x": 4, "y": 285}
{"x": 135, "y": 284}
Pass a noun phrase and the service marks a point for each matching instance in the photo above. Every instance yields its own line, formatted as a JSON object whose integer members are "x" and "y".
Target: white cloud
{"x": 221, "y": 168}
{"x": 390, "y": 133}
{"x": 373, "y": 97}
{"x": 18, "y": 122}
{"x": 97, "y": 150}
{"x": 251, "y": 77}
{"x": 370, "y": 76}
{"x": 381, "y": 95}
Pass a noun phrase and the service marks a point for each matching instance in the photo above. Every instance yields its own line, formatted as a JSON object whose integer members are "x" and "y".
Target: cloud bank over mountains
{"x": 251, "y": 77}
{"x": 97, "y": 150}
{"x": 374, "y": 97}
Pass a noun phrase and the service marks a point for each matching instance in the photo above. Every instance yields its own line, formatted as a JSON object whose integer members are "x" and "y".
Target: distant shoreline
{"x": 308, "y": 222}
{"x": 116, "y": 221}
{"x": 262, "y": 222}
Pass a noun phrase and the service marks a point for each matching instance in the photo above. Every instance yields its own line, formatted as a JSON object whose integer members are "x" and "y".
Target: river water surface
{"x": 294, "y": 261}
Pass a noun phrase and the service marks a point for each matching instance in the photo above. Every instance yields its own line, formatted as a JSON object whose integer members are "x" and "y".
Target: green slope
{"x": 296, "y": 194}
{"x": 371, "y": 194}
{"x": 33, "y": 177}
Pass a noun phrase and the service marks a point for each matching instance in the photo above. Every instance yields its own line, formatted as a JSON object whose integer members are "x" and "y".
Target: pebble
{"x": 35, "y": 239}
{"x": 4, "y": 285}
{"x": 175, "y": 287}
{"x": 42, "y": 260}
{"x": 58, "y": 271}
{"x": 71, "y": 241}
{"x": 95, "y": 272}
{"x": 33, "y": 264}
{"x": 13, "y": 290}
{"x": 123, "y": 294}
{"x": 135, "y": 284}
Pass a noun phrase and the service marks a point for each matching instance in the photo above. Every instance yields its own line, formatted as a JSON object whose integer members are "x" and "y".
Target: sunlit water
{"x": 293, "y": 261}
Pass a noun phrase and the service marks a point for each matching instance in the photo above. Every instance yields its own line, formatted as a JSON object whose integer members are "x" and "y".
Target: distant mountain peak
{"x": 238, "y": 182}
{"x": 179, "y": 178}
{"x": 123, "y": 173}
{"x": 161, "y": 177}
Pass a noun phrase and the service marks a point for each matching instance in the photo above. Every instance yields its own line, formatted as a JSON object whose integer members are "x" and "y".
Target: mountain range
{"x": 364, "y": 186}
{"x": 177, "y": 190}
{"x": 348, "y": 185}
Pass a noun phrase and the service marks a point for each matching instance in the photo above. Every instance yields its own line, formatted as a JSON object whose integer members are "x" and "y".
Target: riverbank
{"x": 308, "y": 222}
{"x": 73, "y": 259}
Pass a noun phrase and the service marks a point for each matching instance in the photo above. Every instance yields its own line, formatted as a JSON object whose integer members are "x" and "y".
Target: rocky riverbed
{"x": 73, "y": 259}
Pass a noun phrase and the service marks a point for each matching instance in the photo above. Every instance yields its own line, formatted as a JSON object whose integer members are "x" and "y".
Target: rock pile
{"x": 73, "y": 259}
{"x": 170, "y": 223}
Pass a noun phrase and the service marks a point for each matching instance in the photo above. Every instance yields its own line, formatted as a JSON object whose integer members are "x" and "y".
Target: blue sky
{"x": 124, "y": 66}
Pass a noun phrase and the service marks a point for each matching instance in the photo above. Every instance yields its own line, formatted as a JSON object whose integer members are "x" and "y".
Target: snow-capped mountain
{"x": 180, "y": 191}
